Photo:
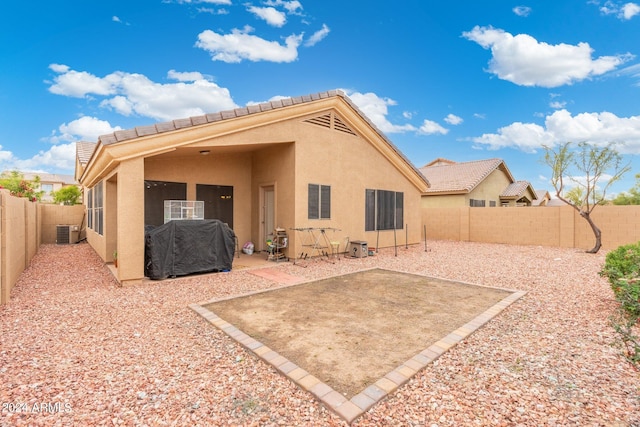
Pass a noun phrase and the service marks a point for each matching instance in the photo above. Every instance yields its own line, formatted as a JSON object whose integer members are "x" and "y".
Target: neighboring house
{"x": 480, "y": 183}
{"x": 313, "y": 161}
{"x": 543, "y": 198}
{"x": 84, "y": 150}
{"x": 49, "y": 183}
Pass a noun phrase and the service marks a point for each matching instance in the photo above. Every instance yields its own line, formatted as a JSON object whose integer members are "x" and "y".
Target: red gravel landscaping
{"x": 76, "y": 349}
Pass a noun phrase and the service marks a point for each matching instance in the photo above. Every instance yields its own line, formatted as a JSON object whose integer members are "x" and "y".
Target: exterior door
{"x": 267, "y": 213}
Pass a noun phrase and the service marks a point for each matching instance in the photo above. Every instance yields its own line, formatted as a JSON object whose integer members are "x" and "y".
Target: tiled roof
{"x": 450, "y": 177}
{"x": 84, "y": 150}
{"x": 515, "y": 189}
{"x": 46, "y": 178}
{"x": 124, "y": 135}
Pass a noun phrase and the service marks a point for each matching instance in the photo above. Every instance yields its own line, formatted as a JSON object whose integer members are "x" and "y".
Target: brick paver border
{"x": 350, "y": 409}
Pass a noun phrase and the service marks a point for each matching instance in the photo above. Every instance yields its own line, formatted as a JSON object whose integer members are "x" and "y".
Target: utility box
{"x": 66, "y": 234}
{"x": 358, "y": 249}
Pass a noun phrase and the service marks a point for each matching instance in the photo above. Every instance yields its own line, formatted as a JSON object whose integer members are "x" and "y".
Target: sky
{"x": 463, "y": 81}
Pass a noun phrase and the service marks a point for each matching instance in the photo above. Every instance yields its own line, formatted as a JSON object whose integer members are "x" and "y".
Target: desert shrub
{"x": 622, "y": 269}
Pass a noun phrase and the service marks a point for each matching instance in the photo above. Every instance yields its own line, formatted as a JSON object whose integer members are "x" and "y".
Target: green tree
{"x": 594, "y": 169}
{"x": 68, "y": 195}
{"x": 632, "y": 197}
{"x": 18, "y": 186}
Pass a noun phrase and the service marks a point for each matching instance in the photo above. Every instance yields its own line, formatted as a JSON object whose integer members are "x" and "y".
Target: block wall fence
{"x": 560, "y": 226}
{"x": 24, "y": 226}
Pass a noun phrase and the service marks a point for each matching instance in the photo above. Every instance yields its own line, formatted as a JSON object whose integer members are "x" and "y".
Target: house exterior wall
{"x": 350, "y": 164}
{"x": 274, "y": 166}
{"x": 276, "y": 149}
{"x": 488, "y": 190}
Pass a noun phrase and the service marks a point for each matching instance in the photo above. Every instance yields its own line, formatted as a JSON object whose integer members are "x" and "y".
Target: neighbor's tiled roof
{"x": 84, "y": 150}
{"x": 124, "y": 135}
{"x": 46, "y": 178}
{"x": 515, "y": 189}
{"x": 459, "y": 177}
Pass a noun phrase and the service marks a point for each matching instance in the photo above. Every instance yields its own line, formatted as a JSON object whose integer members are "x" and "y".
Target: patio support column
{"x": 130, "y": 208}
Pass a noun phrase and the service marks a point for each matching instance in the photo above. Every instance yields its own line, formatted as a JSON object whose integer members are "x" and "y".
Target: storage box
{"x": 358, "y": 249}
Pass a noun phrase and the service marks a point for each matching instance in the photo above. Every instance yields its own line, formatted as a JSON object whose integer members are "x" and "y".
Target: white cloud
{"x": 624, "y": 12}
{"x": 375, "y": 108}
{"x": 522, "y": 10}
{"x": 240, "y": 45}
{"x": 61, "y": 156}
{"x": 557, "y": 105}
{"x": 78, "y": 84}
{"x": 430, "y": 127}
{"x": 318, "y": 36}
{"x": 452, "y": 119}
{"x": 129, "y": 94}
{"x": 630, "y": 10}
{"x": 270, "y": 15}
{"x": 85, "y": 128}
{"x": 292, "y": 7}
{"x": 561, "y": 127}
{"x": 273, "y": 98}
{"x": 523, "y": 60}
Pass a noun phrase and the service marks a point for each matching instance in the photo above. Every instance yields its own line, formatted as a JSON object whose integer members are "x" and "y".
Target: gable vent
{"x": 331, "y": 121}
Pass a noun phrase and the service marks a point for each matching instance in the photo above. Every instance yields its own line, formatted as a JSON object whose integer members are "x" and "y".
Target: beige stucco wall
{"x": 489, "y": 190}
{"x": 232, "y": 169}
{"x": 54, "y": 215}
{"x": 543, "y": 226}
{"x": 18, "y": 239}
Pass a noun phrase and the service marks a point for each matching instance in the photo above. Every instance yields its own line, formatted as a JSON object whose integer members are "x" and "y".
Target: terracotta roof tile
{"x": 165, "y": 127}
{"x": 198, "y": 120}
{"x": 146, "y": 130}
{"x": 123, "y": 135}
{"x": 214, "y": 117}
{"x": 515, "y": 189}
{"x": 119, "y": 136}
{"x": 182, "y": 123}
{"x": 84, "y": 150}
{"x": 459, "y": 177}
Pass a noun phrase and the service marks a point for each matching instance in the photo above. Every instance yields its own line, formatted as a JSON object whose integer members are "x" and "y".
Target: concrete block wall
{"x": 53, "y": 215}
{"x": 541, "y": 226}
{"x": 25, "y": 225}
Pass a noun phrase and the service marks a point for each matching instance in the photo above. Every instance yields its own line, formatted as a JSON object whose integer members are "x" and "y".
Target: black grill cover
{"x": 184, "y": 247}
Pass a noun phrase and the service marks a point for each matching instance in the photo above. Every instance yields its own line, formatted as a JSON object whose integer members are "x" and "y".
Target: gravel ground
{"x": 76, "y": 349}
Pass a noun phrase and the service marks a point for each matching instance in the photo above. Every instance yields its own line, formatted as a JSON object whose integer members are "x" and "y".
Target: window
{"x": 492, "y": 203}
{"x": 47, "y": 188}
{"x": 319, "y": 205}
{"x": 97, "y": 208}
{"x": 90, "y": 209}
{"x": 384, "y": 210}
{"x": 475, "y": 203}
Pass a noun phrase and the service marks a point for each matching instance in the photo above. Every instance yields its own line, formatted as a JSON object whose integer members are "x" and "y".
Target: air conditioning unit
{"x": 358, "y": 249}
{"x": 66, "y": 234}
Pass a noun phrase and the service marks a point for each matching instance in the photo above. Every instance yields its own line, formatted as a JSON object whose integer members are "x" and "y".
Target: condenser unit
{"x": 66, "y": 234}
